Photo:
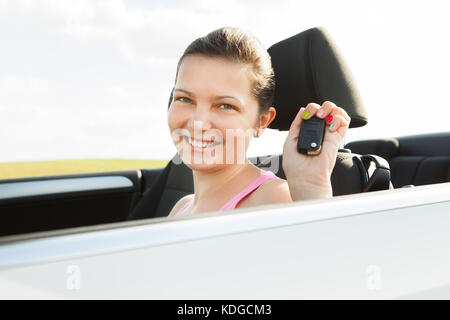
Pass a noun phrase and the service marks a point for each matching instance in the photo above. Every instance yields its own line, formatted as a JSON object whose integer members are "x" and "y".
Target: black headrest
{"x": 309, "y": 68}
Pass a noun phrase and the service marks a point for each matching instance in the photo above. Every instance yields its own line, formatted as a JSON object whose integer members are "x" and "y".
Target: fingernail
{"x": 330, "y": 127}
{"x": 305, "y": 115}
{"x": 329, "y": 119}
{"x": 320, "y": 113}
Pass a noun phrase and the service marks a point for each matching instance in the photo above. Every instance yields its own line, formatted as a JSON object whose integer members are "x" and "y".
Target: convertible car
{"x": 383, "y": 235}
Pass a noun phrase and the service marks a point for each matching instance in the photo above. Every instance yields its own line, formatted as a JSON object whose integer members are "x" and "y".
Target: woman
{"x": 223, "y": 96}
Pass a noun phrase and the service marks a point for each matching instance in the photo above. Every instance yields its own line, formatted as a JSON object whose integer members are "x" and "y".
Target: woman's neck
{"x": 223, "y": 183}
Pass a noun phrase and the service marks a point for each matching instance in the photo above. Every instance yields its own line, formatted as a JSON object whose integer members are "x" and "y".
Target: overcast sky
{"x": 91, "y": 79}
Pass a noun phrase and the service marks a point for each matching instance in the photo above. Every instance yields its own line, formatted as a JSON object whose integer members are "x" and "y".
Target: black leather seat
{"x": 413, "y": 160}
{"x": 308, "y": 68}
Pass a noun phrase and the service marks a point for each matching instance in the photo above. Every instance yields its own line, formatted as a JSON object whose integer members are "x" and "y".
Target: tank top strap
{"x": 183, "y": 208}
{"x": 265, "y": 176}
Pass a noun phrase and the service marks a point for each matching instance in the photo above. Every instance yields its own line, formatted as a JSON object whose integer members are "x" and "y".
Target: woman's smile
{"x": 200, "y": 146}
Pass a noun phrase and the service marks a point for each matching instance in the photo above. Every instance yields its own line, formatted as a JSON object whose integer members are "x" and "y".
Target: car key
{"x": 311, "y": 136}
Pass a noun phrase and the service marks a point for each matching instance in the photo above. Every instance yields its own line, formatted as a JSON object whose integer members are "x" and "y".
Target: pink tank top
{"x": 265, "y": 176}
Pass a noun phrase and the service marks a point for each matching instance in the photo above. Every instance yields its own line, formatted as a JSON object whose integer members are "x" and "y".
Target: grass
{"x": 11, "y": 170}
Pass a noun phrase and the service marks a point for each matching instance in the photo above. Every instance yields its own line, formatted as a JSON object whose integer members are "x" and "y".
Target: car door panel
{"x": 64, "y": 201}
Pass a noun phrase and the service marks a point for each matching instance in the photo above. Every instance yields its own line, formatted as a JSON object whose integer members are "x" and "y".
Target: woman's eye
{"x": 183, "y": 98}
{"x": 229, "y": 106}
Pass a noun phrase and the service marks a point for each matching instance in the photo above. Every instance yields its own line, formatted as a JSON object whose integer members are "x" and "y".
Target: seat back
{"x": 309, "y": 67}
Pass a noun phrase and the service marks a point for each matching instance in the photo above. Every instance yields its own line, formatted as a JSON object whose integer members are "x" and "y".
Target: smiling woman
{"x": 222, "y": 97}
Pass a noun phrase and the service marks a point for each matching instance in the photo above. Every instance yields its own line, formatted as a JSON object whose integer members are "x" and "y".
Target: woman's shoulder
{"x": 270, "y": 192}
{"x": 274, "y": 191}
{"x": 180, "y": 204}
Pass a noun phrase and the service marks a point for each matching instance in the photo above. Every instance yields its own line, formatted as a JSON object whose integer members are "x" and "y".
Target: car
{"x": 384, "y": 234}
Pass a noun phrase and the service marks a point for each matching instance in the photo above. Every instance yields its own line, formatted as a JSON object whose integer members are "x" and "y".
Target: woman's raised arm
{"x": 309, "y": 177}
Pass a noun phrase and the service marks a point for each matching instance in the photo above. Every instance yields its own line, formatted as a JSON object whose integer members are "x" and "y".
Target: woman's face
{"x": 212, "y": 104}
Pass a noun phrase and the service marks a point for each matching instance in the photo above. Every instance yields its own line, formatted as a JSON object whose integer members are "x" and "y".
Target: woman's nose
{"x": 200, "y": 120}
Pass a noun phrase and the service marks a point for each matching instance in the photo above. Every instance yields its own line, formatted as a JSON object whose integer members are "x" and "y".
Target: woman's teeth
{"x": 200, "y": 144}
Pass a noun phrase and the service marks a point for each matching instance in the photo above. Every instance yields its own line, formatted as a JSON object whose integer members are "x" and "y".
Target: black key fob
{"x": 311, "y": 136}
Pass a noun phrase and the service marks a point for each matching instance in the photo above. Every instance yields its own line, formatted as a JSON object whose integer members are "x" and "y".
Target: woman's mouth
{"x": 197, "y": 145}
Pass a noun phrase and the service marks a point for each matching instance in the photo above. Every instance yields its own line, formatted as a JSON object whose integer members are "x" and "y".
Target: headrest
{"x": 309, "y": 68}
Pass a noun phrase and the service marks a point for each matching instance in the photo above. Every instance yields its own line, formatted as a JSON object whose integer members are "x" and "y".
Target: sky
{"x": 91, "y": 79}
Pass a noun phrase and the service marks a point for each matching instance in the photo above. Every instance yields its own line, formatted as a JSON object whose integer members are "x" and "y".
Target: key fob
{"x": 311, "y": 136}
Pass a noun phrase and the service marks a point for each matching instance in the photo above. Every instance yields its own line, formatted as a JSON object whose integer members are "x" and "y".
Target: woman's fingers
{"x": 336, "y": 117}
{"x": 339, "y": 125}
{"x": 303, "y": 113}
{"x": 311, "y": 110}
{"x": 337, "y": 122}
{"x": 330, "y": 107}
{"x": 294, "y": 129}
{"x": 325, "y": 110}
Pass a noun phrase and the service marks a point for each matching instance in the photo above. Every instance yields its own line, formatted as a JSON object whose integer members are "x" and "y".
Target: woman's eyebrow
{"x": 216, "y": 97}
{"x": 189, "y": 93}
{"x": 231, "y": 97}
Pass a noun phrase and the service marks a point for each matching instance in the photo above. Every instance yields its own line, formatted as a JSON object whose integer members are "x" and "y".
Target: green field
{"x": 9, "y": 170}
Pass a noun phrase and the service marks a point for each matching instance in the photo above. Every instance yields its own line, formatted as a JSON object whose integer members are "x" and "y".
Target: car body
{"x": 381, "y": 244}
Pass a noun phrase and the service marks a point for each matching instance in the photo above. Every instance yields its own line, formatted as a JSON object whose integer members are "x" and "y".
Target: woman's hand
{"x": 309, "y": 176}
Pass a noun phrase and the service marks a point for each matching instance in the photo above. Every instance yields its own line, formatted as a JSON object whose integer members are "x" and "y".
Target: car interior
{"x": 308, "y": 68}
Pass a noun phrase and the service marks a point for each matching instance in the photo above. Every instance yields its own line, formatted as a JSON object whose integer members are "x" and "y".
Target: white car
{"x": 384, "y": 234}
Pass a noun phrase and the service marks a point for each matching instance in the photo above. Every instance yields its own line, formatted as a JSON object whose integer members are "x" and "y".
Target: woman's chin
{"x": 204, "y": 167}
{"x": 202, "y": 163}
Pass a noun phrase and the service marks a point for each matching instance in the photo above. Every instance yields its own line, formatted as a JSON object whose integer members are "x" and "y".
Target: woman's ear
{"x": 265, "y": 120}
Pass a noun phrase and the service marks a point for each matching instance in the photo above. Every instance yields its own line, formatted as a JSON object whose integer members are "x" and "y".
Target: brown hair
{"x": 237, "y": 45}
